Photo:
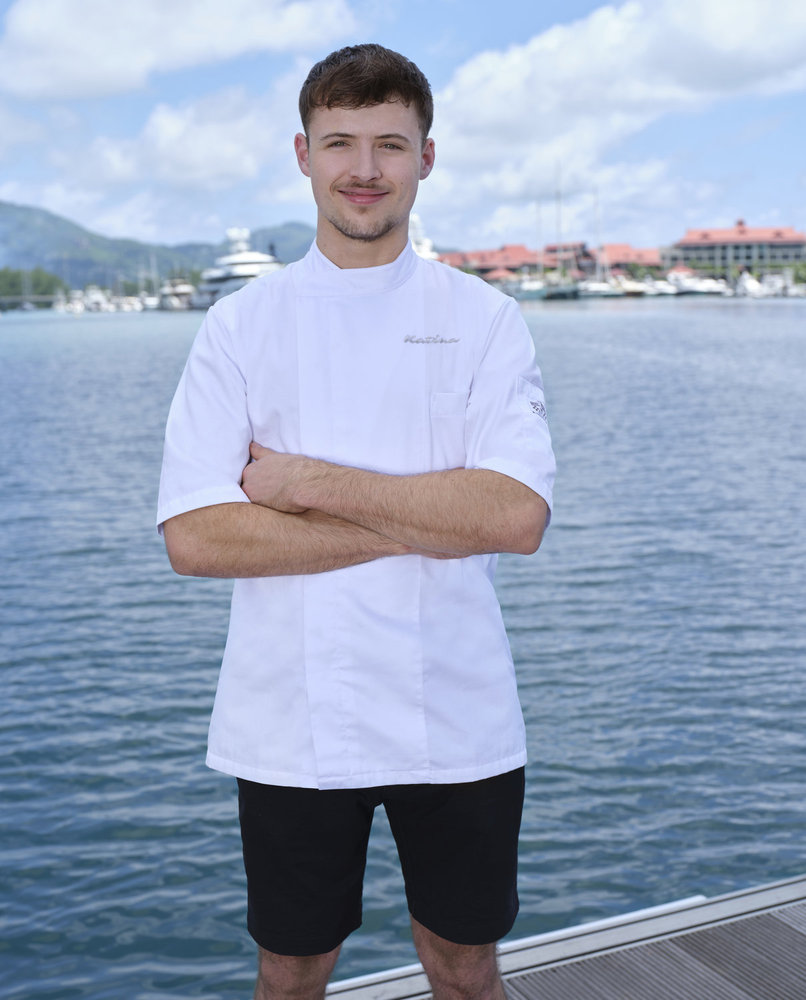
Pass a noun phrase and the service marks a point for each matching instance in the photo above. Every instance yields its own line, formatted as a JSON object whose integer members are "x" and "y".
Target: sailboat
{"x": 529, "y": 287}
{"x": 602, "y": 286}
{"x": 559, "y": 284}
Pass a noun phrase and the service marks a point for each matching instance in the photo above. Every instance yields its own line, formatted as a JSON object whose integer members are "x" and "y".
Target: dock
{"x": 747, "y": 945}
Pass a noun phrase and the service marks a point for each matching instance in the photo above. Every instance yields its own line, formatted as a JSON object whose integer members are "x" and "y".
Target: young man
{"x": 353, "y": 440}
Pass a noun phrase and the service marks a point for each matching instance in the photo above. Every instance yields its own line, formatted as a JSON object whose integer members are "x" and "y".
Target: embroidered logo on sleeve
{"x": 530, "y": 390}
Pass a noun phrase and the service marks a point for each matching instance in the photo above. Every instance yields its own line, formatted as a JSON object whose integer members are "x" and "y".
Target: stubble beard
{"x": 366, "y": 233}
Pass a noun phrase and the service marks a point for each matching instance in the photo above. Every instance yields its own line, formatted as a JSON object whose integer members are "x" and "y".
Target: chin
{"x": 365, "y": 233}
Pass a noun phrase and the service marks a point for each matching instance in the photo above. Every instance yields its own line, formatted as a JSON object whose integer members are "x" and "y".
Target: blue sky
{"x": 170, "y": 122}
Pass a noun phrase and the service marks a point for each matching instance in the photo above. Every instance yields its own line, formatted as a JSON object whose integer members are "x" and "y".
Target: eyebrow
{"x": 350, "y": 135}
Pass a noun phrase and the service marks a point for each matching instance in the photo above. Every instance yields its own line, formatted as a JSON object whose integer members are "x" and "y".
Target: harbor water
{"x": 658, "y": 635}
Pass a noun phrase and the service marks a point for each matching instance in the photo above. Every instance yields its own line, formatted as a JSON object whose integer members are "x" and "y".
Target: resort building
{"x": 623, "y": 257}
{"x": 516, "y": 258}
{"x": 512, "y": 257}
{"x": 763, "y": 249}
{"x": 575, "y": 258}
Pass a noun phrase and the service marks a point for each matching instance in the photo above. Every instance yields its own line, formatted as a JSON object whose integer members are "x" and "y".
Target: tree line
{"x": 22, "y": 284}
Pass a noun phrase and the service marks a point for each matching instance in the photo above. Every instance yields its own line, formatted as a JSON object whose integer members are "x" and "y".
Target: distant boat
{"x": 176, "y": 294}
{"x": 752, "y": 288}
{"x": 234, "y": 270}
{"x": 659, "y": 286}
{"x": 590, "y": 288}
{"x": 631, "y": 286}
{"x": 423, "y": 246}
{"x": 526, "y": 288}
{"x": 560, "y": 284}
{"x": 602, "y": 285}
{"x": 688, "y": 283}
{"x": 561, "y": 290}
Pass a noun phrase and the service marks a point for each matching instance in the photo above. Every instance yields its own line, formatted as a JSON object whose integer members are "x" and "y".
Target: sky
{"x": 628, "y": 122}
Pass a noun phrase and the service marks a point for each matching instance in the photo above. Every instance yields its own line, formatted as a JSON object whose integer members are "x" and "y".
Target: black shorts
{"x": 305, "y": 852}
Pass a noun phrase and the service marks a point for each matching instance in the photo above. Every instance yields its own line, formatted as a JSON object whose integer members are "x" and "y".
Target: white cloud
{"x": 77, "y": 48}
{"x": 148, "y": 215}
{"x": 568, "y": 98}
{"x": 744, "y": 47}
{"x": 297, "y": 190}
{"x": 61, "y": 197}
{"x": 192, "y": 169}
{"x": 219, "y": 141}
{"x": 16, "y": 130}
{"x": 138, "y": 217}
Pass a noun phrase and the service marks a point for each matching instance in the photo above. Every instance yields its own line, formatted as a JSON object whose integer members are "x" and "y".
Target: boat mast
{"x": 559, "y": 209}
{"x": 540, "y": 247}
{"x": 599, "y": 248}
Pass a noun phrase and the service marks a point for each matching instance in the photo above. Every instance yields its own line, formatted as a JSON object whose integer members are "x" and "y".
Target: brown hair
{"x": 363, "y": 75}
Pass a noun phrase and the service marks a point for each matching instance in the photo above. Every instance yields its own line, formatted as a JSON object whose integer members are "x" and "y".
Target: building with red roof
{"x": 575, "y": 258}
{"x": 519, "y": 259}
{"x": 742, "y": 247}
{"x": 622, "y": 256}
{"x": 512, "y": 257}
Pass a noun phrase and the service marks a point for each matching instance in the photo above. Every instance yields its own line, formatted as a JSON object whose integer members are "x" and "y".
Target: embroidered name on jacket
{"x": 430, "y": 340}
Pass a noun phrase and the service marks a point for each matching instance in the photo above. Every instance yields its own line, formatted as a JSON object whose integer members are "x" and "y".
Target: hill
{"x": 32, "y": 237}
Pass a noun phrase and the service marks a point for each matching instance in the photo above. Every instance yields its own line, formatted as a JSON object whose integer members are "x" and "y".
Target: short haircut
{"x": 360, "y": 76}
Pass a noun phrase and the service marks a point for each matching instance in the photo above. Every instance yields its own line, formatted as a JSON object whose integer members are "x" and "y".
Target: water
{"x": 658, "y": 634}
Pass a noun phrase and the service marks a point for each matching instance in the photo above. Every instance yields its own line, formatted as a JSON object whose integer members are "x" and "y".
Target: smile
{"x": 359, "y": 197}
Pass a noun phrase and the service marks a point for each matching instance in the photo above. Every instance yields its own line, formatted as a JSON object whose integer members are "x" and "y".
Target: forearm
{"x": 247, "y": 540}
{"x": 457, "y": 511}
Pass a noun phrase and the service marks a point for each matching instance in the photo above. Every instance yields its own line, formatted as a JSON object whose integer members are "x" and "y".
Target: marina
{"x": 232, "y": 271}
{"x": 744, "y": 262}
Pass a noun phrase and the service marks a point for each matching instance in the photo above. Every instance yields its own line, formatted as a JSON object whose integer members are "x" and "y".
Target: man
{"x": 353, "y": 440}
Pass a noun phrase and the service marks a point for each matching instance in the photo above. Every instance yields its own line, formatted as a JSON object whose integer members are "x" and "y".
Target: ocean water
{"x": 658, "y": 634}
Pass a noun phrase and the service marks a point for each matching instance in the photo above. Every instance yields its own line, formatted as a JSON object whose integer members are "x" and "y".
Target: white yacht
{"x": 600, "y": 288}
{"x": 423, "y": 246}
{"x": 526, "y": 288}
{"x": 176, "y": 294}
{"x": 234, "y": 270}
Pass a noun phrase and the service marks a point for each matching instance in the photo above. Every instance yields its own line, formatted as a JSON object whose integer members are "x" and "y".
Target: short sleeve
{"x": 507, "y": 428}
{"x": 208, "y": 432}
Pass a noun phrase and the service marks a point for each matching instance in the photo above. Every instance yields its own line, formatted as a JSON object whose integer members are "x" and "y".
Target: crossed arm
{"x": 309, "y": 516}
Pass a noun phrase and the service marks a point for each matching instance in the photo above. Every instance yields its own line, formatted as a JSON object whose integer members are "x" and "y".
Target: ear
{"x": 427, "y": 159}
{"x": 301, "y": 149}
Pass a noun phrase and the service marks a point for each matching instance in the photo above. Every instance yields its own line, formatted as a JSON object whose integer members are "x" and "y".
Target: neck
{"x": 348, "y": 252}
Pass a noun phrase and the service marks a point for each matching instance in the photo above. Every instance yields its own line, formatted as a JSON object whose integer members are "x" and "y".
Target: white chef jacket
{"x": 397, "y": 670}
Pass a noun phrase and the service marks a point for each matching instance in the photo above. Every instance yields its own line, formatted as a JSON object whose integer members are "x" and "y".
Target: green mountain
{"x": 32, "y": 237}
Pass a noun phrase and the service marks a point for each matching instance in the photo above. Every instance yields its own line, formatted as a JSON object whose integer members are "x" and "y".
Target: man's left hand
{"x": 271, "y": 476}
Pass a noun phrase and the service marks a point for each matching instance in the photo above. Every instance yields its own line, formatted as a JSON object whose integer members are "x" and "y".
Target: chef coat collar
{"x": 323, "y": 277}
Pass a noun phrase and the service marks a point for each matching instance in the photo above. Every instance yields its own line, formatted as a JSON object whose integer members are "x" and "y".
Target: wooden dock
{"x": 748, "y": 945}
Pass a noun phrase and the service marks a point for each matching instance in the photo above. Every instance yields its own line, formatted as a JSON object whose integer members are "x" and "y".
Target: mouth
{"x": 362, "y": 196}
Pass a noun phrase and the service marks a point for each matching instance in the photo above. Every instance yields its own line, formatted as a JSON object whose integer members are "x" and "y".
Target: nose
{"x": 366, "y": 166}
